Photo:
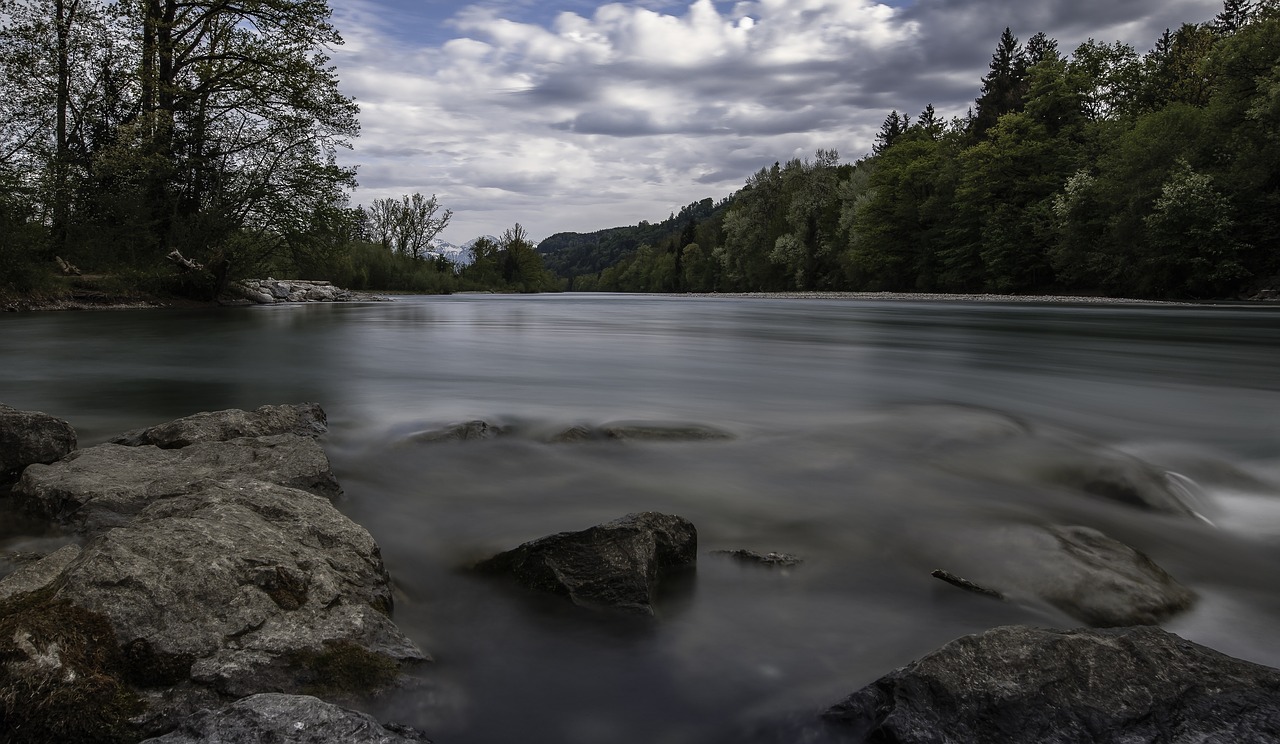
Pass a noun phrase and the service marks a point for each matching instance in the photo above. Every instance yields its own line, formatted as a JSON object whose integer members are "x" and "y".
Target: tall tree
{"x": 238, "y": 107}
{"x": 1233, "y": 17}
{"x": 1001, "y": 87}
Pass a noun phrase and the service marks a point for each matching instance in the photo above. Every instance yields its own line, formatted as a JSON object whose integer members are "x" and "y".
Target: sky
{"x": 575, "y": 115}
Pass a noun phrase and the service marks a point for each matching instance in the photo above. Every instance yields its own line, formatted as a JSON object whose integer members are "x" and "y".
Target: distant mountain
{"x": 586, "y": 254}
{"x": 458, "y": 255}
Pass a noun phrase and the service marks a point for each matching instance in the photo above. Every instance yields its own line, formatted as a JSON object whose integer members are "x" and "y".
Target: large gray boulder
{"x": 1021, "y": 684}
{"x": 233, "y": 588}
{"x": 303, "y": 419}
{"x": 104, "y": 486}
{"x": 616, "y": 565}
{"x": 1078, "y": 570}
{"x": 28, "y": 437}
{"x": 285, "y": 719}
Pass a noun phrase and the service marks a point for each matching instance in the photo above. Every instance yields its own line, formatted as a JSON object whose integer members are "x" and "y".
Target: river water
{"x": 876, "y": 440}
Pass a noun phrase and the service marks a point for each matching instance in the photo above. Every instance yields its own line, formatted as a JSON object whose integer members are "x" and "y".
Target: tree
{"x": 1233, "y": 17}
{"x": 407, "y": 225}
{"x": 929, "y": 123}
{"x": 1192, "y": 250}
{"x": 894, "y": 126}
{"x": 1001, "y": 87}
{"x": 57, "y": 69}
{"x": 239, "y": 112}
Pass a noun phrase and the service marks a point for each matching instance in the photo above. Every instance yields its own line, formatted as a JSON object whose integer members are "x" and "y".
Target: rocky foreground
{"x": 210, "y": 592}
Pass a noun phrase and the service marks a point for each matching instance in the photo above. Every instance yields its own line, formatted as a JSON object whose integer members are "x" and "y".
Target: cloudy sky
{"x": 580, "y": 115}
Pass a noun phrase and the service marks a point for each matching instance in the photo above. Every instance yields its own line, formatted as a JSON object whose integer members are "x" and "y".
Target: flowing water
{"x": 876, "y": 440}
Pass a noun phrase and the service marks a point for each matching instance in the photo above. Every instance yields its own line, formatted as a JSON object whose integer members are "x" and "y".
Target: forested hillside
{"x": 1099, "y": 171}
{"x": 579, "y": 254}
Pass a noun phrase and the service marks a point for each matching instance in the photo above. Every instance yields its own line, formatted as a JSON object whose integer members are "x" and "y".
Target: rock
{"x": 1020, "y": 684}
{"x": 1073, "y": 464}
{"x": 235, "y": 588}
{"x": 1078, "y": 570}
{"x": 656, "y": 432}
{"x": 285, "y": 719}
{"x": 304, "y": 419}
{"x": 463, "y": 432}
{"x": 772, "y": 560}
{"x": 39, "y": 574}
{"x": 614, "y": 565}
{"x": 28, "y": 437}
{"x": 639, "y": 431}
{"x": 104, "y": 486}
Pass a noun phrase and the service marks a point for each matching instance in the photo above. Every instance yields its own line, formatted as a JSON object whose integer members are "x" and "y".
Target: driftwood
{"x": 965, "y": 584}
{"x": 187, "y": 264}
{"x": 66, "y": 267}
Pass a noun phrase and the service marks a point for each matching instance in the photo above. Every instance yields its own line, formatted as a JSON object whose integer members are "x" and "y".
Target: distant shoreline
{"x": 941, "y": 297}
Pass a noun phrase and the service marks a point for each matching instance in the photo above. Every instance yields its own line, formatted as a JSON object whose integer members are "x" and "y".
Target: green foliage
{"x": 510, "y": 264}
{"x": 577, "y": 255}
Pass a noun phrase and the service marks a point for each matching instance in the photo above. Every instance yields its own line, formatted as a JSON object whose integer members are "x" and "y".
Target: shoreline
{"x": 964, "y": 297}
{"x": 13, "y": 304}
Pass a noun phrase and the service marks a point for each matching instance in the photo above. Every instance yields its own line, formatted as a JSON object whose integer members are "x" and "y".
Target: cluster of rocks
{"x": 273, "y": 291}
{"x": 213, "y": 593}
{"x": 638, "y": 431}
{"x": 208, "y": 566}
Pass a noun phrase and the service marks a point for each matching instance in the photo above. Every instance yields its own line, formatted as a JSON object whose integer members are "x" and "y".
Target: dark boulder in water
{"x": 616, "y": 565}
{"x": 1019, "y": 684}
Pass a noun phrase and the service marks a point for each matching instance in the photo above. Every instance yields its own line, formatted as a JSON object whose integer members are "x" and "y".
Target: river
{"x": 870, "y": 441}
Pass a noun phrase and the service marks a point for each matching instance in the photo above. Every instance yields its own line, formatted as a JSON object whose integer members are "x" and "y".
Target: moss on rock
{"x": 345, "y": 667}
{"x": 61, "y": 674}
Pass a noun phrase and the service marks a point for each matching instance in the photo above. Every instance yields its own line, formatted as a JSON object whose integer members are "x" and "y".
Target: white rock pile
{"x": 272, "y": 291}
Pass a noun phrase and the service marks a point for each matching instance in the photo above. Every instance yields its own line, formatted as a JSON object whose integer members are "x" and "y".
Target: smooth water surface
{"x": 873, "y": 440}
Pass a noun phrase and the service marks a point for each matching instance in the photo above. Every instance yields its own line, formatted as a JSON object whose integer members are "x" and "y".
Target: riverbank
{"x": 938, "y": 297}
{"x": 103, "y": 296}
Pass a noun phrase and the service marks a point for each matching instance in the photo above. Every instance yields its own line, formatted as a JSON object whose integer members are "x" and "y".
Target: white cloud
{"x": 633, "y": 110}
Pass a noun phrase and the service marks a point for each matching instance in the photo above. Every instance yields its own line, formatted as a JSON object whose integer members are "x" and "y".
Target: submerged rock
{"x": 285, "y": 719}
{"x": 772, "y": 560}
{"x": 104, "y": 486}
{"x": 1078, "y": 570}
{"x": 463, "y": 432}
{"x": 1066, "y": 462}
{"x": 615, "y": 565}
{"x": 234, "y": 588}
{"x": 303, "y": 419}
{"x": 621, "y": 431}
{"x": 1020, "y": 684}
{"x": 29, "y": 437}
{"x": 659, "y": 432}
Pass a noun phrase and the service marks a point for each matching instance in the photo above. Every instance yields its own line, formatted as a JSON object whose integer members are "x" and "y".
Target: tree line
{"x": 204, "y": 132}
{"x": 1103, "y": 171}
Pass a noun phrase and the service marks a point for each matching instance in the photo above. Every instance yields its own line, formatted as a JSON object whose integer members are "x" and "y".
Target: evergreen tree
{"x": 1001, "y": 88}
{"x": 895, "y": 125}
{"x": 929, "y": 123}
{"x": 1235, "y": 14}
